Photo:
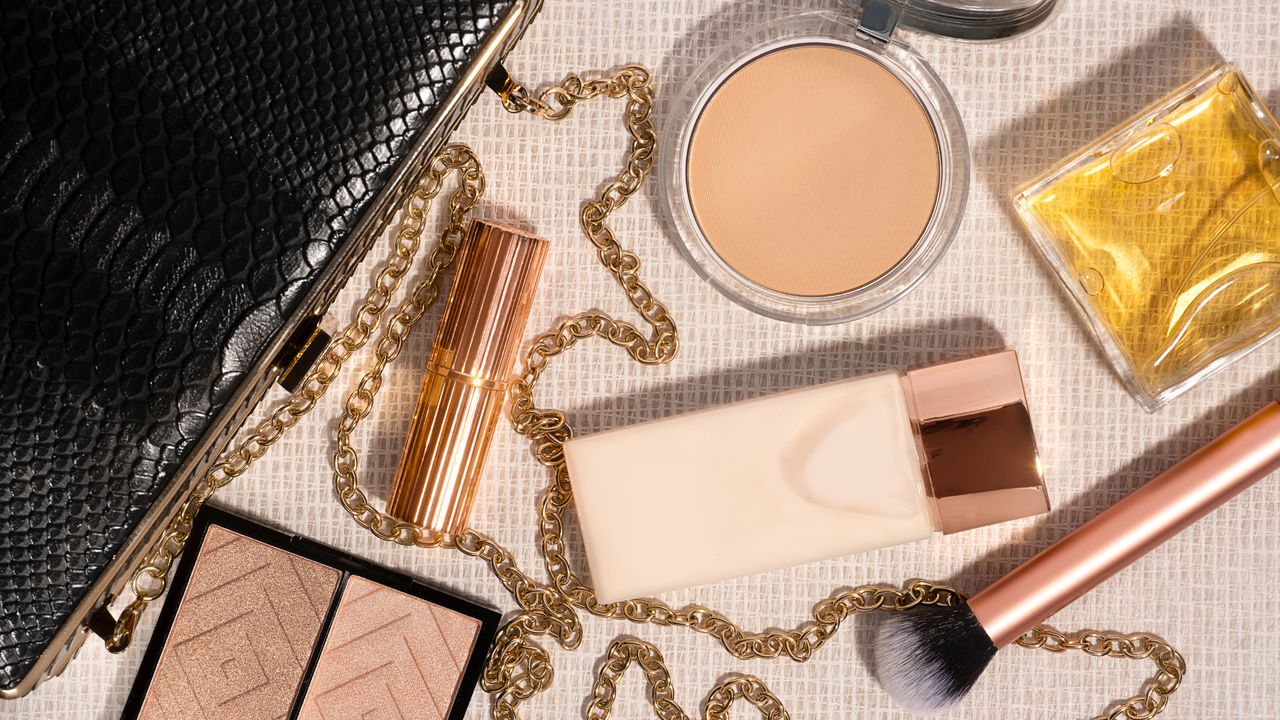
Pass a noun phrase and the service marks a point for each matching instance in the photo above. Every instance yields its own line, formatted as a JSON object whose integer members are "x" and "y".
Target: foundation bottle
{"x": 806, "y": 475}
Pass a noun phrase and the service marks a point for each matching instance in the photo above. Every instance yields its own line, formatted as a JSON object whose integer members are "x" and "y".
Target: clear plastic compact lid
{"x": 798, "y": 176}
{"x": 963, "y": 19}
{"x": 890, "y": 279}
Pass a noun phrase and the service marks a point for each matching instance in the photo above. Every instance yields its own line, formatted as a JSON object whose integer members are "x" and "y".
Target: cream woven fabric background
{"x": 1026, "y": 103}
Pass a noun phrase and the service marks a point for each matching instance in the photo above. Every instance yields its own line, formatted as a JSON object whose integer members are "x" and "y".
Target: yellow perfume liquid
{"x": 1167, "y": 234}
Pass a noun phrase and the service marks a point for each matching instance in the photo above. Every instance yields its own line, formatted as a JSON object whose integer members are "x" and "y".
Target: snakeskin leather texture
{"x": 174, "y": 176}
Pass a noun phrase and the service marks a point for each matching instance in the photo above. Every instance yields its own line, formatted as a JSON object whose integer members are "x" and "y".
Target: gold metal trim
{"x": 301, "y": 353}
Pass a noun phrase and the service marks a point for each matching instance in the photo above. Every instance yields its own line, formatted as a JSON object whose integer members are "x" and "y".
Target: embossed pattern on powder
{"x": 386, "y": 649}
{"x": 244, "y": 633}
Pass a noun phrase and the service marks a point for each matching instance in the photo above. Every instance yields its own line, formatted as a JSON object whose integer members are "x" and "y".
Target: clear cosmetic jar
{"x": 815, "y": 167}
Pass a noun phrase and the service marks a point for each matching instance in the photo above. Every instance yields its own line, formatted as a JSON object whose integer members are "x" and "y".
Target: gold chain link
{"x": 359, "y": 403}
{"x": 518, "y": 668}
{"x": 624, "y": 652}
{"x": 1170, "y": 666}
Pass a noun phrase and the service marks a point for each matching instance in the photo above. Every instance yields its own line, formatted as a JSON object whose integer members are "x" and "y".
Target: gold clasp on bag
{"x": 117, "y": 634}
{"x": 501, "y": 82}
{"x": 300, "y": 352}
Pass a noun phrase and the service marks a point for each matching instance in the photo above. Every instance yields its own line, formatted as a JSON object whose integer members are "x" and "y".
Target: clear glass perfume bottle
{"x": 1166, "y": 232}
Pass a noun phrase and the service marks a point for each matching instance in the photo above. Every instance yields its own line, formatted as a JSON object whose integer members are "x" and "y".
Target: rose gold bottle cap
{"x": 982, "y": 465}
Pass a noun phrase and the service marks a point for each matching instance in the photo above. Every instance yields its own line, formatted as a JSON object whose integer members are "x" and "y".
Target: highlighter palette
{"x": 260, "y": 625}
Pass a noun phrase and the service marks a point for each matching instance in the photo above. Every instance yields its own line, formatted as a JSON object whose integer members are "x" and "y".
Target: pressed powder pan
{"x": 821, "y": 139}
{"x": 816, "y": 166}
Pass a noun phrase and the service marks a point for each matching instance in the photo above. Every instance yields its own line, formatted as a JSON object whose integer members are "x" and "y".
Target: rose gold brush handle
{"x": 1131, "y": 528}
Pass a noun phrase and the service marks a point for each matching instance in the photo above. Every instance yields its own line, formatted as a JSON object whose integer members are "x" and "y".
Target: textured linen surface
{"x": 1026, "y": 103}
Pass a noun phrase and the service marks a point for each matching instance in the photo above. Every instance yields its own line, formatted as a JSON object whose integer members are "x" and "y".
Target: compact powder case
{"x": 816, "y": 166}
{"x": 260, "y": 625}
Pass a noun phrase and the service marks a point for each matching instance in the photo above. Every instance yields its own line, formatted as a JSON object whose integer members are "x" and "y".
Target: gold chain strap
{"x": 548, "y": 430}
{"x": 623, "y": 652}
{"x": 1170, "y": 666}
{"x": 518, "y": 668}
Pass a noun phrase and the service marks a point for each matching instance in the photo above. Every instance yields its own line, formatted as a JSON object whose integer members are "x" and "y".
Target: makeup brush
{"x": 929, "y": 658}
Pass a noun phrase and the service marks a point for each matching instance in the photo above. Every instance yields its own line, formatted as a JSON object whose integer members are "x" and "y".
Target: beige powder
{"x": 389, "y": 650}
{"x": 243, "y": 635}
{"x": 813, "y": 170}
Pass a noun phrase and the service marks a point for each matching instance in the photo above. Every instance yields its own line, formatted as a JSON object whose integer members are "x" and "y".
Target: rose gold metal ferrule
{"x": 467, "y": 376}
{"x": 1131, "y": 528}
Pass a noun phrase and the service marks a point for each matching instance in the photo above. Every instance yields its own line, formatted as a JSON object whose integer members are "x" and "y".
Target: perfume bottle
{"x": 806, "y": 475}
{"x": 1164, "y": 232}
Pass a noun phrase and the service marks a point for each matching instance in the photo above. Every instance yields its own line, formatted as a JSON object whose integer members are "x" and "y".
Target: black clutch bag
{"x": 184, "y": 187}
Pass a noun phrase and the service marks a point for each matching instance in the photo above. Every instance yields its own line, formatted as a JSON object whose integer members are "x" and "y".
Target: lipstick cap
{"x": 982, "y": 465}
{"x": 484, "y": 317}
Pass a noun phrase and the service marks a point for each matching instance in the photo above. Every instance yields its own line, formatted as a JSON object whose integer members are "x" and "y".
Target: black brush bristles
{"x": 929, "y": 657}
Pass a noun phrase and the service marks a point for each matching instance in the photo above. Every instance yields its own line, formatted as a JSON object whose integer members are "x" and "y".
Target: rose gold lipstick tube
{"x": 1131, "y": 528}
{"x": 467, "y": 377}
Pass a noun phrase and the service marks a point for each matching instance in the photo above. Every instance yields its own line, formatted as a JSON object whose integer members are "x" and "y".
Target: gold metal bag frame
{"x": 518, "y": 668}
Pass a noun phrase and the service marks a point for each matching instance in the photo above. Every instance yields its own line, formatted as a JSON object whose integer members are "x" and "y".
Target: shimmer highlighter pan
{"x": 816, "y": 166}
{"x": 260, "y": 625}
